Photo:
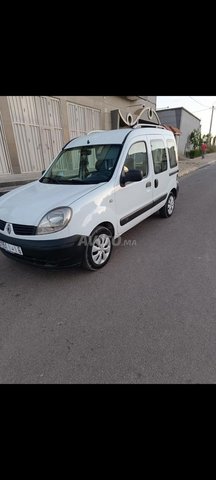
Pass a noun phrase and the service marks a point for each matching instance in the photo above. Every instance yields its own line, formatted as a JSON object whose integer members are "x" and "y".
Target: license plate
{"x": 11, "y": 248}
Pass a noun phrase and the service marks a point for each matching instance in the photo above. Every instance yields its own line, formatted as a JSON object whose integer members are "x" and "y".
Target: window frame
{"x": 173, "y": 142}
{"x": 159, "y": 139}
{"x": 146, "y": 152}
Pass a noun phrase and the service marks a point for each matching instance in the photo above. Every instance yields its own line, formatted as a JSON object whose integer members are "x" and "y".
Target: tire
{"x": 169, "y": 207}
{"x": 98, "y": 250}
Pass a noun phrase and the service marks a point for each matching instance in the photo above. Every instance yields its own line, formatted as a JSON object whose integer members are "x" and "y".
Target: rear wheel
{"x": 99, "y": 249}
{"x": 169, "y": 207}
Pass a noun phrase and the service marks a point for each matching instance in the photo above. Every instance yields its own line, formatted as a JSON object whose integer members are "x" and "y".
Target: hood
{"x": 28, "y": 204}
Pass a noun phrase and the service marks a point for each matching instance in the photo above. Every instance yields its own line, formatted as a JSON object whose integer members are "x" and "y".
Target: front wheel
{"x": 99, "y": 249}
{"x": 169, "y": 207}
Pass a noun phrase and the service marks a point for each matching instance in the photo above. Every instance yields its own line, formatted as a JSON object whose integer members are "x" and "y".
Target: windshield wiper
{"x": 72, "y": 182}
{"x": 49, "y": 180}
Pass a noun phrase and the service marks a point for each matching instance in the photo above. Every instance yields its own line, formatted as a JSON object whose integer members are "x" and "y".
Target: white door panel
{"x": 131, "y": 202}
{"x": 134, "y": 201}
{"x": 160, "y": 169}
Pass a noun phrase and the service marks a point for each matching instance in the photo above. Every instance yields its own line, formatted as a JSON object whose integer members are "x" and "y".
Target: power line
{"x": 204, "y": 110}
{"x": 199, "y": 102}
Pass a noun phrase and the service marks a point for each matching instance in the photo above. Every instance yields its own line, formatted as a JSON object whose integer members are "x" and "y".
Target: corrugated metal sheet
{"x": 26, "y": 129}
{"x": 5, "y": 164}
{"x": 51, "y": 128}
{"x": 82, "y": 120}
{"x": 37, "y": 129}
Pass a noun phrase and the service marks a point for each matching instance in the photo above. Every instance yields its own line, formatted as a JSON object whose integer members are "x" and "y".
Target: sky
{"x": 201, "y": 107}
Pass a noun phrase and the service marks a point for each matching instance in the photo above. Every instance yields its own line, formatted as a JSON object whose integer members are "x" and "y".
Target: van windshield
{"x": 84, "y": 165}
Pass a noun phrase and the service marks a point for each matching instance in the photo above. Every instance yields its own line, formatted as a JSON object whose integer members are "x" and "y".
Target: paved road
{"x": 148, "y": 317}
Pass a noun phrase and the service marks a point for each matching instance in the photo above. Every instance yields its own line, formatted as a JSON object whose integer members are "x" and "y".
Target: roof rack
{"x": 95, "y": 131}
{"x": 149, "y": 125}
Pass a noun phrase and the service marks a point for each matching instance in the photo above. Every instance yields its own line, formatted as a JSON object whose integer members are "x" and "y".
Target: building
{"x": 33, "y": 129}
{"x": 183, "y": 120}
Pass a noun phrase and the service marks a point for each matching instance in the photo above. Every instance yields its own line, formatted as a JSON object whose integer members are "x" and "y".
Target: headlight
{"x": 54, "y": 221}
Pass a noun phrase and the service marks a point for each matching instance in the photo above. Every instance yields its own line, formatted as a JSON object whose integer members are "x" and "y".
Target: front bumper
{"x": 63, "y": 252}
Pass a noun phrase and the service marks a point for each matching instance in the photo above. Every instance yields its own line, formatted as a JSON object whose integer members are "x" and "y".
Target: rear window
{"x": 172, "y": 153}
{"x": 159, "y": 156}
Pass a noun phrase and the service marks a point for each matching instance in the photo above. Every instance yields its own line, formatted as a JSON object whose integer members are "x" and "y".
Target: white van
{"x": 99, "y": 186}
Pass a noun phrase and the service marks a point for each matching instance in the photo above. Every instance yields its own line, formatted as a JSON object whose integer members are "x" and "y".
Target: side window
{"x": 137, "y": 158}
{"x": 159, "y": 156}
{"x": 172, "y": 153}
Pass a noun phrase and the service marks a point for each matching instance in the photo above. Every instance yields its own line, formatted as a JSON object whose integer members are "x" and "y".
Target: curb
{"x": 193, "y": 169}
{"x": 7, "y": 186}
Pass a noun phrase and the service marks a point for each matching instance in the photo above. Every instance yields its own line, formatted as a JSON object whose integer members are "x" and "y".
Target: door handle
{"x": 156, "y": 183}
{"x": 148, "y": 184}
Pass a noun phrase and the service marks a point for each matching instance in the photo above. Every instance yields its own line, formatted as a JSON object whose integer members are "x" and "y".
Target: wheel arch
{"x": 108, "y": 225}
{"x": 174, "y": 191}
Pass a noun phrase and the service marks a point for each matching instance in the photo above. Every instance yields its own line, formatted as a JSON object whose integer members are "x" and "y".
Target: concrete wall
{"x": 188, "y": 124}
{"x": 151, "y": 100}
{"x": 182, "y": 119}
{"x": 108, "y": 103}
{"x": 171, "y": 116}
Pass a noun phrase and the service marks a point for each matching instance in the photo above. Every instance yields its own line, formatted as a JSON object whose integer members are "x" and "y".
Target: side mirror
{"x": 131, "y": 176}
{"x": 43, "y": 172}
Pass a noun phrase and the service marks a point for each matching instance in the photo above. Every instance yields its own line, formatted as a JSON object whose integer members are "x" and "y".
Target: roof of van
{"x": 117, "y": 136}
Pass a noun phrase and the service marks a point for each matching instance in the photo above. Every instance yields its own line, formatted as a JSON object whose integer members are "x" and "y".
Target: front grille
{"x": 24, "y": 229}
{"x": 2, "y": 225}
{"x": 20, "y": 229}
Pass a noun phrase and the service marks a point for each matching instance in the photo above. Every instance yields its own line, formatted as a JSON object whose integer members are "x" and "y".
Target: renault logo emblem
{"x": 9, "y": 228}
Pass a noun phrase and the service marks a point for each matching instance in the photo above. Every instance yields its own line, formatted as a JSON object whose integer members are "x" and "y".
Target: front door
{"x": 134, "y": 201}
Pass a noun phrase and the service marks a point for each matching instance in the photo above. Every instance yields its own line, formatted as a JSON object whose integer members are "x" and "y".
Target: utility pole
{"x": 211, "y": 122}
